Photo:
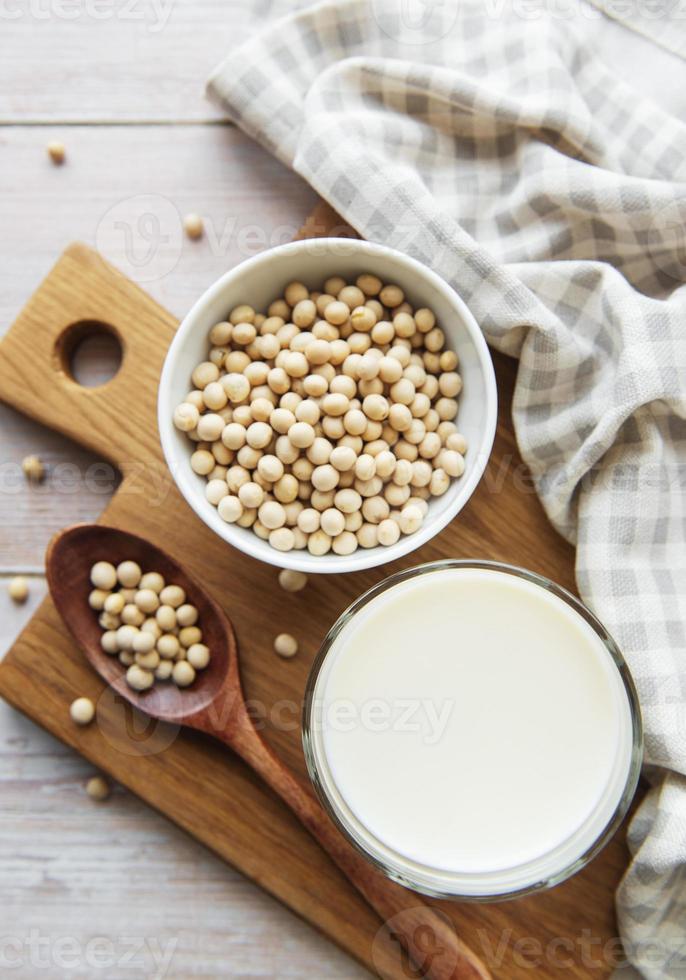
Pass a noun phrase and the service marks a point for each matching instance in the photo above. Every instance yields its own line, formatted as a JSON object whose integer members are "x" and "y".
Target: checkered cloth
{"x": 502, "y": 151}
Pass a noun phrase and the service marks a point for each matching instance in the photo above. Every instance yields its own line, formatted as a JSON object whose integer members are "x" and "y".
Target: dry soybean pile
{"x": 326, "y": 422}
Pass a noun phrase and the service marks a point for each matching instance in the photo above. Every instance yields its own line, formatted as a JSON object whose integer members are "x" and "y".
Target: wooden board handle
{"x": 83, "y": 294}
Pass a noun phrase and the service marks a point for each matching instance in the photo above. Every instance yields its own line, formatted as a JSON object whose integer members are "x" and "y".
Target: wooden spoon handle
{"x": 428, "y": 938}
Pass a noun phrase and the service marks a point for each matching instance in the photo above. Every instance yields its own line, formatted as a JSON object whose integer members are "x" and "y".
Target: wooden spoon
{"x": 215, "y": 705}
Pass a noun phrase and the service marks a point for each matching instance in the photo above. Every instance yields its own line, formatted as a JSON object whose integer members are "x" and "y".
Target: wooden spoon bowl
{"x": 70, "y": 557}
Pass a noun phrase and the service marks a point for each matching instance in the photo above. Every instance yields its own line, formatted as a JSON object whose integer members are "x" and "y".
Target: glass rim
{"x": 394, "y": 872}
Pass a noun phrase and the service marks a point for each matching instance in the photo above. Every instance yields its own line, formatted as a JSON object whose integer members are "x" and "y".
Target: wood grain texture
{"x": 119, "y": 879}
{"x": 502, "y": 521}
{"x": 14, "y": 616}
{"x": 95, "y": 60}
{"x": 125, "y": 189}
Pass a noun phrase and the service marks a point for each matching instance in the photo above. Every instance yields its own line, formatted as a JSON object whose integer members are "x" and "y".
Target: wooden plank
{"x": 14, "y": 616}
{"x": 124, "y": 191}
{"x": 117, "y": 879}
{"x": 78, "y": 488}
{"x": 128, "y": 60}
{"x": 44, "y": 671}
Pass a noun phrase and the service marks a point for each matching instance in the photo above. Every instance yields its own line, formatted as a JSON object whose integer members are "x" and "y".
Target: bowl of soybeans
{"x": 328, "y": 405}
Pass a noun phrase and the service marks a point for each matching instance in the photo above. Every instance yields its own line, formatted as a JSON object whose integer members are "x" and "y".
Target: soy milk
{"x": 472, "y": 732}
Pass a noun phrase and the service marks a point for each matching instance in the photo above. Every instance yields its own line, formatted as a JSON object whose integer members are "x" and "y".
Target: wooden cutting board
{"x": 196, "y": 783}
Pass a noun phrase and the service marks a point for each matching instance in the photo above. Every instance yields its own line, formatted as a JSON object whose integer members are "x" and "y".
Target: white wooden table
{"x": 113, "y": 890}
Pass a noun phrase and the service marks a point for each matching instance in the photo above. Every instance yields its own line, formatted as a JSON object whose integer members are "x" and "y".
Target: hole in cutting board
{"x": 90, "y": 352}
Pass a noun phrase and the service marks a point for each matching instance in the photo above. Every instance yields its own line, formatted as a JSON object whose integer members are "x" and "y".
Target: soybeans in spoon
{"x": 148, "y": 624}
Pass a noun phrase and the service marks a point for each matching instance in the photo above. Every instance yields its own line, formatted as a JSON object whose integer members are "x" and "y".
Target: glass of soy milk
{"x": 473, "y": 729}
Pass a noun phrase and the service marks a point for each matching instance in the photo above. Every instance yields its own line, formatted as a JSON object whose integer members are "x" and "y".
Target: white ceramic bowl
{"x": 260, "y": 280}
